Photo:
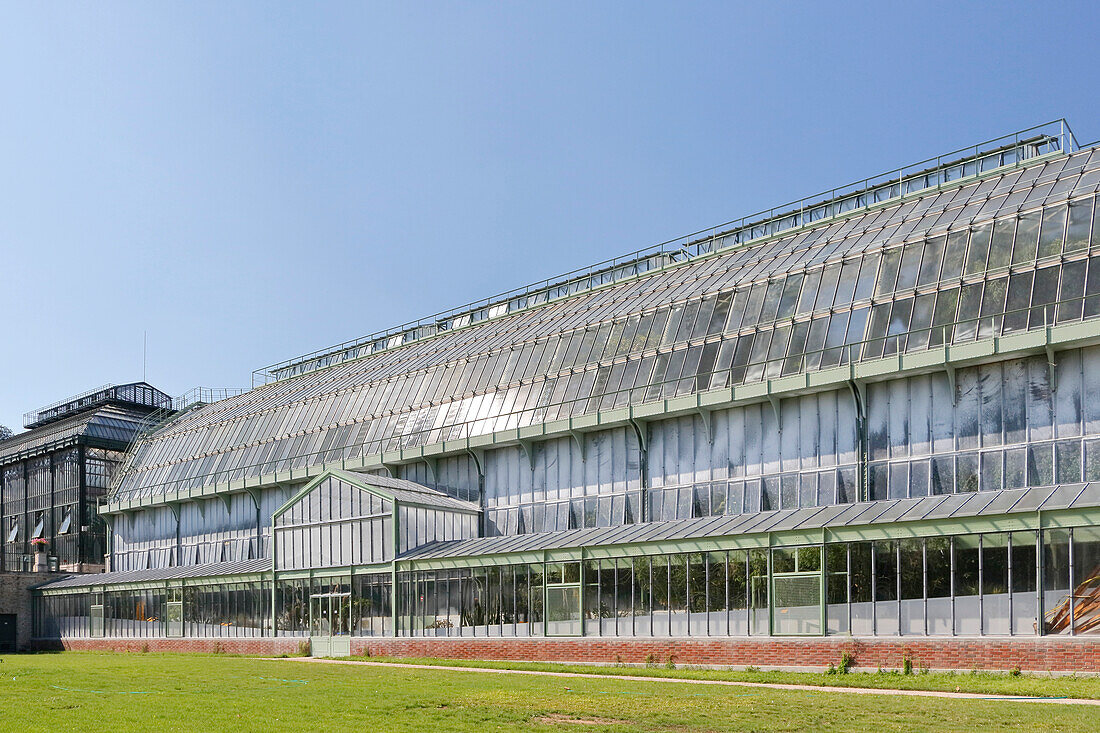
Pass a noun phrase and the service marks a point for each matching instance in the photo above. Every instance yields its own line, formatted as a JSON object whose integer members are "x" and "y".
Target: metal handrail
{"x": 762, "y": 370}
{"x": 204, "y": 396}
{"x": 1059, "y": 137}
{"x": 103, "y": 393}
{"x": 157, "y": 418}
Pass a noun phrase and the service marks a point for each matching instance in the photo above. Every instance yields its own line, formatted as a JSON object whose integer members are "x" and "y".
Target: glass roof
{"x": 135, "y": 393}
{"x": 954, "y": 506}
{"x": 931, "y": 173}
{"x": 408, "y": 492}
{"x": 110, "y": 424}
{"x": 178, "y": 572}
{"x": 1013, "y": 249}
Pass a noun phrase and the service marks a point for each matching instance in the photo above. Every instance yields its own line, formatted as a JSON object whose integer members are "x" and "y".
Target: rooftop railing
{"x": 1008, "y": 150}
{"x": 204, "y": 396}
{"x": 138, "y": 393}
{"x": 167, "y": 412}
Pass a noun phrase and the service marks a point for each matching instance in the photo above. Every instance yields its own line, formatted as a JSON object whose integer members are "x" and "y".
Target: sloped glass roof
{"x": 1008, "y": 250}
{"x": 134, "y": 394}
{"x": 178, "y": 572}
{"x": 949, "y": 506}
{"x": 106, "y": 425}
{"x": 406, "y": 492}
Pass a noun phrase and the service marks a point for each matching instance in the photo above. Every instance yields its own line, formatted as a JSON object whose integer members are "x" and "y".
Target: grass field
{"x": 122, "y": 692}
{"x": 986, "y": 683}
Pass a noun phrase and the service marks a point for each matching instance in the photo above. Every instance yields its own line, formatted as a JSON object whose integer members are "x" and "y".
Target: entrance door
{"x": 330, "y": 624}
{"x": 7, "y": 632}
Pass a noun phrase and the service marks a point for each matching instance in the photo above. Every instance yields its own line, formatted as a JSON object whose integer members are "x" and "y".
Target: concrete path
{"x": 730, "y": 683}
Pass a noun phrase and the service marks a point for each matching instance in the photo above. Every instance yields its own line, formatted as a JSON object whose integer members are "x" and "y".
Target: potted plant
{"x": 40, "y": 545}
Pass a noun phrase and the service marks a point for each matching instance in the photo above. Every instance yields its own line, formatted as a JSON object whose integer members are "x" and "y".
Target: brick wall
{"x": 15, "y": 598}
{"x": 256, "y": 647}
{"x": 1037, "y": 655}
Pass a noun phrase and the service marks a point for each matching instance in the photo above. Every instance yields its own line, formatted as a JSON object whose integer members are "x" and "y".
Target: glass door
{"x": 563, "y": 599}
{"x": 798, "y": 589}
{"x": 330, "y": 624}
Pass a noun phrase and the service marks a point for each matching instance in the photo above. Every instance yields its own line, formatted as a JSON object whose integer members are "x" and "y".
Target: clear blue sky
{"x": 248, "y": 182}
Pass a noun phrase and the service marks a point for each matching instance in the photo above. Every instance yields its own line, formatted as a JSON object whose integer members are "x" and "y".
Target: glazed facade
{"x": 694, "y": 441}
{"x": 53, "y": 476}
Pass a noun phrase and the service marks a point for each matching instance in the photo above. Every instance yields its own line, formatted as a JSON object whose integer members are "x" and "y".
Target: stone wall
{"x": 15, "y": 598}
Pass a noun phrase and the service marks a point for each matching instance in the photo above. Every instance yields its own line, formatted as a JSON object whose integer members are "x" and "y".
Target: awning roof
{"x": 109, "y": 423}
{"x": 949, "y": 506}
{"x": 179, "y": 572}
{"x": 408, "y": 492}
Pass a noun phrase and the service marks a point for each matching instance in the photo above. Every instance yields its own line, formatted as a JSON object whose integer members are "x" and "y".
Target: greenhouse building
{"x": 866, "y": 422}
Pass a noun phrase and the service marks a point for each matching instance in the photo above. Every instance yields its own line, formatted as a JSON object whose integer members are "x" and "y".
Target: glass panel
{"x": 1052, "y": 232}
{"x": 759, "y": 624}
{"x": 860, "y": 589}
{"x": 1024, "y": 572}
{"x": 1019, "y": 298}
{"x": 1000, "y": 251}
{"x": 836, "y": 588}
{"x": 1056, "y": 597}
{"x": 954, "y": 255}
{"x": 1080, "y": 219}
{"x": 930, "y": 263}
{"x": 979, "y": 249}
{"x": 967, "y": 589}
{"x": 1027, "y": 235}
{"x": 797, "y": 604}
{"x": 1086, "y": 580}
{"x": 938, "y": 552}
{"x": 1070, "y": 296}
{"x": 886, "y": 588}
{"x": 563, "y": 611}
{"x": 995, "y": 603}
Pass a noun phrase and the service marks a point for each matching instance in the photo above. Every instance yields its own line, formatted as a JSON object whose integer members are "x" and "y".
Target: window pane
{"x": 1052, "y": 231}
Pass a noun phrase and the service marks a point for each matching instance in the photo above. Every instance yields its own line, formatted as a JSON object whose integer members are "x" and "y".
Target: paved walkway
{"x": 730, "y": 683}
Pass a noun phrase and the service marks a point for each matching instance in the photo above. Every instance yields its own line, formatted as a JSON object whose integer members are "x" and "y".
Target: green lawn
{"x": 986, "y": 683}
{"x": 119, "y": 692}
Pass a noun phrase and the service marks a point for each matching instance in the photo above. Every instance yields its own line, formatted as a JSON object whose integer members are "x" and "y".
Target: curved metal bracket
{"x": 774, "y": 401}
{"x": 641, "y": 431}
{"x": 477, "y": 462}
{"x": 578, "y": 438}
{"x": 951, "y": 382}
{"x": 433, "y": 469}
{"x": 528, "y": 447}
{"x": 707, "y": 419}
{"x": 859, "y": 395}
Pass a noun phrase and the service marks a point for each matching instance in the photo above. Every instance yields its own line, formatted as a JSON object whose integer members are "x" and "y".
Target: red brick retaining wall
{"x": 1060, "y": 655}
{"x": 261, "y": 646}
{"x": 1079, "y": 654}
